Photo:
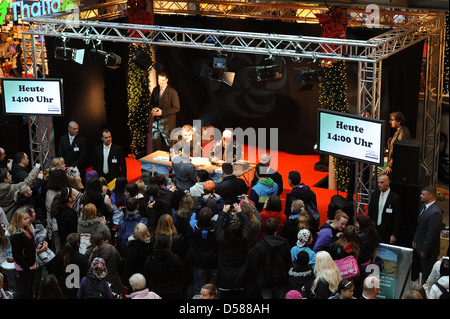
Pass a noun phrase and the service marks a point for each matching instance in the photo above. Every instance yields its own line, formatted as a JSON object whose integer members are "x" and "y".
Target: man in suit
{"x": 72, "y": 147}
{"x": 109, "y": 159}
{"x": 385, "y": 210}
{"x": 426, "y": 243}
{"x": 164, "y": 104}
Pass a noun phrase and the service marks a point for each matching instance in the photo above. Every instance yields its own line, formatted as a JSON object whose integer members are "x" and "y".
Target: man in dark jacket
{"x": 164, "y": 104}
{"x": 184, "y": 171}
{"x": 426, "y": 242}
{"x": 231, "y": 186}
{"x": 203, "y": 249}
{"x": 270, "y": 261}
{"x": 299, "y": 191}
{"x": 19, "y": 170}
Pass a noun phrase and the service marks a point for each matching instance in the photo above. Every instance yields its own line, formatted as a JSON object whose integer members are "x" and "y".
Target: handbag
{"x": 348, "y": 267}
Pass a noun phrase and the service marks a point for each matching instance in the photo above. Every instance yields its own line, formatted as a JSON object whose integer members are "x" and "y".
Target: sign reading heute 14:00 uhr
{"x": 350, "y": 136}
{"x": 32, "y": 96}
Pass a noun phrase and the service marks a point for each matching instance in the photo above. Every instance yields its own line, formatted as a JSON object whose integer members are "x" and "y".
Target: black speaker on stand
{"x": 407, "y": 180}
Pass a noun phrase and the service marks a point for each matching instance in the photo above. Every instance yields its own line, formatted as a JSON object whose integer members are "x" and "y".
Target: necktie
{"x": 380, "y": 208}
{"x": 423, "y": 209}
{"x": 105, "y": 160}
{"x": 70, "y": 139}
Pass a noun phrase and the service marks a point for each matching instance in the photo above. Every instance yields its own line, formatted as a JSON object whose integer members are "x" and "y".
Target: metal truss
{"x": 40, "y": 130}
{"x": 433, "y": 96}
{"x": 369, "y": 54}
{"x": 283, "y": 11}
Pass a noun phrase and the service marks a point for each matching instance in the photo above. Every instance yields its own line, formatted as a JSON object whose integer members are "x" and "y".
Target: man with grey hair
{"x": 371, "y": 287}
{"x": 266, "y": 159}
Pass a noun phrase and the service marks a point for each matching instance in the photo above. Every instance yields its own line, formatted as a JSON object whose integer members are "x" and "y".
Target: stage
{"x": 283, "y": 163}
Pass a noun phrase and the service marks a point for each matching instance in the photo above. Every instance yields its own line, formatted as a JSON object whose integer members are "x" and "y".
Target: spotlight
{"x": 109, "y": 59}
{"x": 264, "y": 73}
{"x": 142, "y": 60}
{"x": 69, "y": 54}
{"x": 218, "y": 71}
{"x": 308, "y": 76}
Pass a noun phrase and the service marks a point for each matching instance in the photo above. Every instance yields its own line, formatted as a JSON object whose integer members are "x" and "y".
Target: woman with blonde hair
{"x": 326, "y": 277}
{"x": 23, "y": 252}
{"x": 138, "y": 249}
{"x": 165, "y": 226}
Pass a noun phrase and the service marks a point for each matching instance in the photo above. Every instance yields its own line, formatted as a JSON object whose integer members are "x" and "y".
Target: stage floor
{"x": 283, "y": 163}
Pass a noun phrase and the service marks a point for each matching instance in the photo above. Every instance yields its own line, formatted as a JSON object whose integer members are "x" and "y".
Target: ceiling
{"x": 411, "y": 4}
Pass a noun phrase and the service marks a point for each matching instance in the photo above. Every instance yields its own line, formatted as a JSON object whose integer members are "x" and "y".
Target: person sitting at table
{"x": 190, "y": 141}
{"x": 228, "y": 149}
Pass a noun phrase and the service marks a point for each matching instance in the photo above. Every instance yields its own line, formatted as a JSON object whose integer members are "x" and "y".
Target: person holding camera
{"x": 232, "y": 230}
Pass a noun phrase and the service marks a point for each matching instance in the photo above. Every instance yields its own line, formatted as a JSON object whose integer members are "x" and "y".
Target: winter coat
{"x": 164, "y": 274}
{"x": 273, "y": 252}
{"x": 233, "y": 263}
{"x": 263, "y": 189}
{"x": 91, "y": 225}
{"x": 302, "y": 192}
{"x": 203, "y": 249}
{"x": 435, "y": 292}
{"x": 7, "y": 191}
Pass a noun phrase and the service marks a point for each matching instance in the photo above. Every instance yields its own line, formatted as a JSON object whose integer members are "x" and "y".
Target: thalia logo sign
{"x": 36, "y": 9}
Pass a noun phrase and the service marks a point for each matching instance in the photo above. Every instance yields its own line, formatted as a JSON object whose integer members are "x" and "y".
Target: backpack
{"x": 444, "y": 291}
{"x": 95, "y": 289}
{"x": 126, "y": 228}
{"x": 313, "y": 211}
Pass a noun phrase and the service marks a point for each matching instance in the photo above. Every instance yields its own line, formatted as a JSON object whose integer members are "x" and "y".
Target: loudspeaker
{"x": 406, "y": 166}
{"x": 410, "y": 204}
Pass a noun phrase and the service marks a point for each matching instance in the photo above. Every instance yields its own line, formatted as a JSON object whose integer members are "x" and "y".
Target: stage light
{"x": 109, "y": 59}
{"x": 218, "y": 71}
{"x": 142, "y": 60}
{"x": 308, "y": 77}
{"x": 264, "y": 73}
{"x": 69, "y": 54}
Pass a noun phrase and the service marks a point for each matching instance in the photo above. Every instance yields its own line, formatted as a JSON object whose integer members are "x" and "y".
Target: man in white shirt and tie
{"x": 385, "y": 210}
{"x": 109, "y": 158}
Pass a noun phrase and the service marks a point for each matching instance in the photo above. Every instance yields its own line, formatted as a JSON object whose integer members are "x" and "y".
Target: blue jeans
{"x": 202, "y": 277}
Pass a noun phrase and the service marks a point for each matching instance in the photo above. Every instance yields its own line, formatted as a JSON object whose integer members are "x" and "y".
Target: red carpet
{"x": 283, "y": 163}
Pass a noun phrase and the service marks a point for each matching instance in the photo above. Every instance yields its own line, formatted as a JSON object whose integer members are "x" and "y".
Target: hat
{"x": 294, "y": 294}
{"x": 265, "y": 158}
{"x": 98, "y": 268}
{"x": 303, "y": 237}
{"x": 301, "y": 264}
{"x": 209, "y": 186}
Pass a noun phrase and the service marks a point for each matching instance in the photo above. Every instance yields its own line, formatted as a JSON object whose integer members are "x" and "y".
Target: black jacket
{"x": 302, "y": 192}
{"x": 18, "y": 173}
{"x": 233, "y": 263}
{"x": 116, "y": 162}
{"x": 75, "y": 154}
{"x": 230, "y": 188}
{"x": 270, "y": 261}
{"x": 164, "y": 273}
{"x": 23, "y": 250}
{"x": 203, "y": 249}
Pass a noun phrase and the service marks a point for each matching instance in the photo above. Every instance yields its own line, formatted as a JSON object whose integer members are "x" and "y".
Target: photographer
{"x": 232, "y": 229}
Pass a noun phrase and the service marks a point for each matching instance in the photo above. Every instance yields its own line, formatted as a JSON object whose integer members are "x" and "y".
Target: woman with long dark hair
{"x": 66, "y": 217}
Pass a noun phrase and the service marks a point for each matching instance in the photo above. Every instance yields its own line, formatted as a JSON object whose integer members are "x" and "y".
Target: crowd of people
{"x": 71, "y": 236}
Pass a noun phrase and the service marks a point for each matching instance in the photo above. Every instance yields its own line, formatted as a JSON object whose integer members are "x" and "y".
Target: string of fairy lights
{"x": 138, "y": 101}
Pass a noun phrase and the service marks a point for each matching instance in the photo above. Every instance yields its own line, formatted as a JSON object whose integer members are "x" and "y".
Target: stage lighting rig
{"x": 109, "y": 59}
{"x": 69, "y": 54}
{"x": 142, "y": 60}
{"x": 218, "y": 70}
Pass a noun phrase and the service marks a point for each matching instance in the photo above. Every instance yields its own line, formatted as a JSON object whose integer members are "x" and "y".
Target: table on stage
{"x": 159, "y": 162}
